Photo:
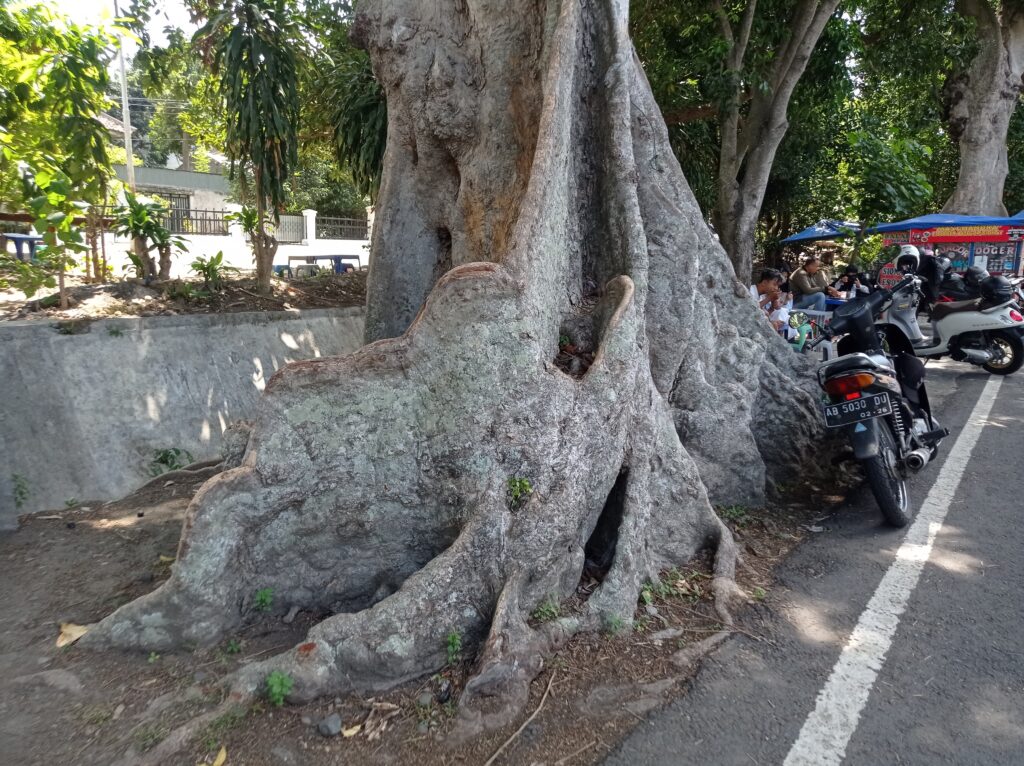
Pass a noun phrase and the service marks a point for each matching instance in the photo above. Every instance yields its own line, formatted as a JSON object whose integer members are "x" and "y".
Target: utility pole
{"x": 126, "y": 117}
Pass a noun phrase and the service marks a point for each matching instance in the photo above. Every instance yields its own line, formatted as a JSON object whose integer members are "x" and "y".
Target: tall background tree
{"x": 255, "y": 48}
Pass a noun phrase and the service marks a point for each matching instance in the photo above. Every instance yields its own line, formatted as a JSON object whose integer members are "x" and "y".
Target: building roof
{"x": 113, "y": 124}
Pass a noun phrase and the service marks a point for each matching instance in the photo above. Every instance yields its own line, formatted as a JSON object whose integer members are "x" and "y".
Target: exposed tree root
{"x": 450, "y": 480}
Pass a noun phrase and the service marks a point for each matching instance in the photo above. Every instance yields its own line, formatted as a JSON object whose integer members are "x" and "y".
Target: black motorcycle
{"x": 880, "y": 401}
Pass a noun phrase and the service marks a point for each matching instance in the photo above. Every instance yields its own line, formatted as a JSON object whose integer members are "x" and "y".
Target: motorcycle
{"x": 879, "y": 400}
{"x": 987, "y": 331}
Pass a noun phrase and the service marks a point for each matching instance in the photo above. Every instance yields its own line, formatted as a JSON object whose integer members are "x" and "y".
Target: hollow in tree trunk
{"x": 451, "y": 476}
{"x": 981, "y": 103}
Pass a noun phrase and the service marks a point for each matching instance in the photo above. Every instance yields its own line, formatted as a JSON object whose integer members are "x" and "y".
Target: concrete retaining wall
{"x": 81, "y": 415}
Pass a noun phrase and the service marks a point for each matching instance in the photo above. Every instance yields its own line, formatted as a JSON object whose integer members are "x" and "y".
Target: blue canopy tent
{"x": 827, "y": 229}
{"x": 936, "y": 220}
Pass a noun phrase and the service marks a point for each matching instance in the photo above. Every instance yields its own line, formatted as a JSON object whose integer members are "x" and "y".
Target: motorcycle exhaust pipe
{"x": 917, "y": 459}
{"x": 977, "y": 356}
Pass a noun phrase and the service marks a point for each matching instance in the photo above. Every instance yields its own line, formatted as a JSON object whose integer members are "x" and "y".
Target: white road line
{"x": 829, "y": 727}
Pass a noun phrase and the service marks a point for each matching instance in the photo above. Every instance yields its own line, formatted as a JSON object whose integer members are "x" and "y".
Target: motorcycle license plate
{"x": 856, "y": 410}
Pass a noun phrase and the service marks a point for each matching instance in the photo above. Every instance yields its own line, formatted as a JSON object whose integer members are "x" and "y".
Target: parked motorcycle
{"x": 987, "y": 331}
{"x": 879, "y": 400}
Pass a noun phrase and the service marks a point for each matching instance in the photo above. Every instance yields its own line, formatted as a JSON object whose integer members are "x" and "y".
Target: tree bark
{"x": 749, "y": 142}
{"x": 529, "y": 192}
{"x": 982, "y": 102}
{"x": 264, "y": 245}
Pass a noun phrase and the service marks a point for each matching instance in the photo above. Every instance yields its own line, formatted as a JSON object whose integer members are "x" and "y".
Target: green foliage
{"x": 264, "y": 599}
{"x": 53, "y": 160}
{"x": 71, "y": 502}
{"x": 453, "y": 647}
{"x": 20, "y": 488}
{"x": 360, "y": 120}
{"x": 153, "y": 657}
{"x": 519, "y": 489}
{"x": 547, "y": 610}
{"x": 890, "y": 181}
{"x": 234, "y": 646}
{"x": 212, "y": 270}
{"x": 256, "y": 46}
{"x": 170, "y": 459}
{"x": 278, "y": 686}
{"x": 247, "y": 218}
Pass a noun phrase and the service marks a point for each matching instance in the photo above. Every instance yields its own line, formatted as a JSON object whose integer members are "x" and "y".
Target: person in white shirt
{"x": 767, "y": 289}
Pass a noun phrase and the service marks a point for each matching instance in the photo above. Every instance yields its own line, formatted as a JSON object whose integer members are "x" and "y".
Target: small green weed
{"x": 758, "y": 594}
{"x": 153, "y": 657}
{"x": 115, "y": 332}
{"x": 647, "y": 593}
{"x": 518, "y": 490}
{"x": 71, "y": 502}
{"x": 171, "y": 459}
{"x": 214, "y": 733}
{"x": 547, "y": 610}
{"x": 21, "y": 491}
{"x": 94, "y": 716}
{"x": 264, "y": 599}
{"x": 737, "y": 514}
{"x": 149, "y": 735}
{"x": 234, "y": 646}
{"x": 614, "y": 625}
{"x": 279, "y": 685}
{"x": 453, "y": 647}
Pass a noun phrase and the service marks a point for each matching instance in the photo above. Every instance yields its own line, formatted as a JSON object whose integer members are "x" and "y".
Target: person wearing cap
{"x": 850, "y": 285}
{"x": 810, "y": 287}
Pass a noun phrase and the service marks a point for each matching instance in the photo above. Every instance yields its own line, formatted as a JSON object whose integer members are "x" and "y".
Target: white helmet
{"x": 909, "y": 258}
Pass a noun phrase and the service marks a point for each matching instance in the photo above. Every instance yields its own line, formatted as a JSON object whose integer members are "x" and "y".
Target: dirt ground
{"x": 74, "y": 706}
{"x": 132, "y": 298}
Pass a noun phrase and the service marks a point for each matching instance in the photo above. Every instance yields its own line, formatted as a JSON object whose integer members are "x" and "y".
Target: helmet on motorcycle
{"x": 995, "y": 290}
{"x": 974, "y": 276}
{"x": 909, "y": 259}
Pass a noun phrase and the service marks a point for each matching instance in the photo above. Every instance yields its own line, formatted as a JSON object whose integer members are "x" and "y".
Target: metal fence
{"x": 291, "y": 228}
{"x": 209, "y": 222}
{"x": 341, "y": 228}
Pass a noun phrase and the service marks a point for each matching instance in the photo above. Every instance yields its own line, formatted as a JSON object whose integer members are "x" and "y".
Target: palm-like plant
{"x": 254, "y": 45}
{"x": 143, "y": 221}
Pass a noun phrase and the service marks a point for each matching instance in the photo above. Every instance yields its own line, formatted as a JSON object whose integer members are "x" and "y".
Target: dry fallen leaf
{"x": 221, "y": 758}
{"x": 352, "y": 730}
{"x": 70, "y": 632}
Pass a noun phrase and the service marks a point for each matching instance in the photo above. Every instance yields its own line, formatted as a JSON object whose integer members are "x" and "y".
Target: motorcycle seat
{"x": 943, "y": 310}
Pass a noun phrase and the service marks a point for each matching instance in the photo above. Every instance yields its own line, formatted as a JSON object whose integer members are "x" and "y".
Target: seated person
{"x": 810, "y": 286}
{"x": 850, "y": 285}
{"x": 779, "y": 315}
{"x": 767, "y": 289}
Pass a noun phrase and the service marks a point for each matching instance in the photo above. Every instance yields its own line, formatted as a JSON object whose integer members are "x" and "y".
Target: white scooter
{"x": 986, "y": 331}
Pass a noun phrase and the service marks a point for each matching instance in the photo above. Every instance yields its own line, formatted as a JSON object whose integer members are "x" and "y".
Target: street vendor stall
{"x": 967, "y": 240}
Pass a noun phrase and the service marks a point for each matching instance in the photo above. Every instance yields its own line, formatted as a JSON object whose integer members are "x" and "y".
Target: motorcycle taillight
{"x": 848, "y": 384}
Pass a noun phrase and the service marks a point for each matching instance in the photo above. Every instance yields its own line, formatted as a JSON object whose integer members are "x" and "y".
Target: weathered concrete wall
{"x": 81, "y": 415}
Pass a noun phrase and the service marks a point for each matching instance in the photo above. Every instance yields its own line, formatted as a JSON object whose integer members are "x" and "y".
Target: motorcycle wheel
{"x": 888, "y": 487}
{"x": 1013, "y": 353}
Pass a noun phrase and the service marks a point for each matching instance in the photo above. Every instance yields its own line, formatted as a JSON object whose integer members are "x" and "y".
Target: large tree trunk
{"x": 981, "y": 105}
{"x": 749, "y": 142}
{"x": 529, "y": 192}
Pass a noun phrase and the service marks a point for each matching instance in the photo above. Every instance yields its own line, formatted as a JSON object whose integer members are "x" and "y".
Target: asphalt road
{"x": 949, "y": 689}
